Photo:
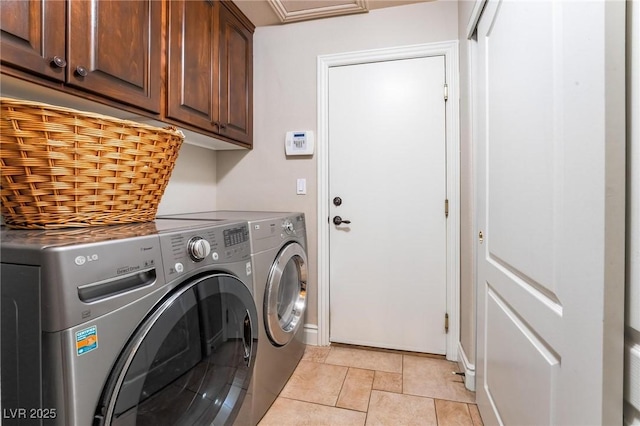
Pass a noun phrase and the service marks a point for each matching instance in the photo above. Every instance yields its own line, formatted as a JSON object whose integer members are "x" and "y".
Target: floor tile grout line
{"x": 341, "y": 387}
{"x": 318, "y": 404}
{"x": 366, "y": 413}
{"x": 402, "y": 376}
{"x": 469, "y": 412}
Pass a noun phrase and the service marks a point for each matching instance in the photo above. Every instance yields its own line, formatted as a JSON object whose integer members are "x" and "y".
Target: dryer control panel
{"x": 270, "y": 233}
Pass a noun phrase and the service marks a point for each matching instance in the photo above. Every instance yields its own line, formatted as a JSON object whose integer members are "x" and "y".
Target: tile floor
{"x": 342, "y": 385}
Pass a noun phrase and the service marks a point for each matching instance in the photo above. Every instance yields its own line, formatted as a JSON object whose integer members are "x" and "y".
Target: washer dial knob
{"x": 287, "y": 225}
{"x": 198, "y": 248}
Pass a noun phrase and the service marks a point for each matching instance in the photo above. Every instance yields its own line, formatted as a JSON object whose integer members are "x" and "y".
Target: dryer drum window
{"x": 286, "y": 293}
{"x": 189, "y": 362}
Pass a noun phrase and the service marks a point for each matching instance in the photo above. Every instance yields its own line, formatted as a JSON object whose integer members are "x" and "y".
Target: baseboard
{"x": 468, "y": 369}
{"x": 311, "y": 334}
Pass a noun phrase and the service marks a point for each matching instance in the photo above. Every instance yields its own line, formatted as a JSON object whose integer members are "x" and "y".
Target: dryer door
{"x": 286, "y": 292}
{"x": 189, "y": 362}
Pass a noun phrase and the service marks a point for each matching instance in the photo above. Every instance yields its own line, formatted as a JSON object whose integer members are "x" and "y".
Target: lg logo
{"x": 81, "y": 260}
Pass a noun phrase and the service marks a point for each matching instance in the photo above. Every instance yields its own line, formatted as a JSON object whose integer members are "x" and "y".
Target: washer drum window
{"x": 189, "y": 362}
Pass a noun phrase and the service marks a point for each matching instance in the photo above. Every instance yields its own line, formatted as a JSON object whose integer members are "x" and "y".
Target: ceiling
{"x": 277, "y": 12}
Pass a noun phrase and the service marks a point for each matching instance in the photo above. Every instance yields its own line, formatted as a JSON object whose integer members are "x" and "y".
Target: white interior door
{"x": 550, "y": 199}
{"x": 387, "y": 164}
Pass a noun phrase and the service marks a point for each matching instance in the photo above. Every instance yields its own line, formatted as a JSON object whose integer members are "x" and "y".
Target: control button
{"x": 179, "y": 267}
{"x": 215, "y": 256}
{"x": 287, "y": 225}
{"x": 198, "y": 248}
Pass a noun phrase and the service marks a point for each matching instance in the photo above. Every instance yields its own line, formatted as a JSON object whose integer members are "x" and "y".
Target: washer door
{"x": 189, "y": 362}
{"x": 286, "y": 294}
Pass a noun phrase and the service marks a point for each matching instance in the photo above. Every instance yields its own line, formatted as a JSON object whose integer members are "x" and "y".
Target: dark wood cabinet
{"x": 235, "y": 96}
{"x": 32, "y": 37}
{"x": 191, "y": 49}
{"x": 210, "y": 65}
{"x": 115, "y": 50}
{"x": 187, "y": 62}
{"x": 110, "y": 48}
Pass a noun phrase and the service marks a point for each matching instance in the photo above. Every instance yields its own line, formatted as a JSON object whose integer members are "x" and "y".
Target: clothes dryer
{"x": 279, "y": 257}
{"x": 128, "y": 325}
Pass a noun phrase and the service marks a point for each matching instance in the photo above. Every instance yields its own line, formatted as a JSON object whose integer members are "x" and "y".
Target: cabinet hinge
{"x": 446, "y": 92}
{"x": 446, "y": 208}
{"x": 446, "y": 323}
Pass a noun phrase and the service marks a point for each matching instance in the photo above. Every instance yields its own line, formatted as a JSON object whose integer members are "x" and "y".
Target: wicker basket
{"x": 66, "y": 168}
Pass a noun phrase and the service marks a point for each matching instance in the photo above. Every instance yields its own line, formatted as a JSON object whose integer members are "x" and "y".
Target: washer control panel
{"x": 187, "y": 251}
{"x": 198, "y": 248}
{"x": 235, "y": 236}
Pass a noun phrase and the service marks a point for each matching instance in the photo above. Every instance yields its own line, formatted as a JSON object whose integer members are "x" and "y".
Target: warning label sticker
{"x": 86, "y": 340}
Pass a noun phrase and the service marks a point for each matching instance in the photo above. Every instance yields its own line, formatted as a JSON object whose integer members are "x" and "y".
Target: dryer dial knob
{"x": 198, "y": 248}
{"x": 287, "y": 225}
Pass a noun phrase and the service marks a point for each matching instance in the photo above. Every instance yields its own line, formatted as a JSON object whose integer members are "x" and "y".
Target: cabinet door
{"x": 236, "y": 77}
{"x": 32, "y": 36}
{"x": 115, "y": 50}
{"x": 192, "y": 47}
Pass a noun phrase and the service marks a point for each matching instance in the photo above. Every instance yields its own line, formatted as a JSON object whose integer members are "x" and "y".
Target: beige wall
{"x": 285, "y": 99}
{"x": 192, "y": 187}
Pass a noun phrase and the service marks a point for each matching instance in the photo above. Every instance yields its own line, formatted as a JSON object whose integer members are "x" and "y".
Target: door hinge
{"x": 446, "y": 208}
{"x": 446, "y": 92}
{"x": 446, "y": 323}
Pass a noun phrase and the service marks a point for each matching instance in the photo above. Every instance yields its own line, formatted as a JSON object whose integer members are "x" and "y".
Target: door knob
{"x": 337, "y": 220}
{"x": 480, "y": 237}
{"x": 337, "y": 201}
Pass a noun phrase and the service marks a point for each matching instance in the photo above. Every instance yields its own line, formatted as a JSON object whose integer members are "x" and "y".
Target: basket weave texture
{"x": 67, "y": 168}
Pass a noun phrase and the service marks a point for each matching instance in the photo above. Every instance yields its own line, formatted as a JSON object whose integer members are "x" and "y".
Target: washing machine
{"x": 142, "y": 324}
{"x": 278, "y": 251}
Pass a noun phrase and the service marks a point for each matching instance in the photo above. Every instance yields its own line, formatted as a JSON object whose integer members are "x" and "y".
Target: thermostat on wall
{"x": 299, "y": 143}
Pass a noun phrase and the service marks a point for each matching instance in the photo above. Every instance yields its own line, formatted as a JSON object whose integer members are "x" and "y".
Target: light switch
{"x": 301, "y": 187}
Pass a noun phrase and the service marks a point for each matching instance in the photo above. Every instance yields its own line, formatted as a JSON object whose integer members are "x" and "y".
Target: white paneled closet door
{"x": 549, "y": 128}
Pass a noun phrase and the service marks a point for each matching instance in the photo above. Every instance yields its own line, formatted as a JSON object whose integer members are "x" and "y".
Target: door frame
{"x": 448, "y": 49}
